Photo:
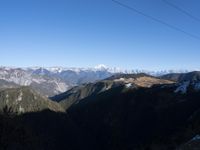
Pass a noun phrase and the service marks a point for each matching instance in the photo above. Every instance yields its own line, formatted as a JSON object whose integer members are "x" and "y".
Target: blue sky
{"x": 84, "y": 33}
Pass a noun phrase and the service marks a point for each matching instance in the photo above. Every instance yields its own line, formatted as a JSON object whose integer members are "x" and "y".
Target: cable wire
{"x": 181, "y": 10}
{"x": 156, "y": 20}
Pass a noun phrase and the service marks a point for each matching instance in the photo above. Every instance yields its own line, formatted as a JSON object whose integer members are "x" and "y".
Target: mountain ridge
{"x": 78, "y": 93}
{"x": 24, "y": 99}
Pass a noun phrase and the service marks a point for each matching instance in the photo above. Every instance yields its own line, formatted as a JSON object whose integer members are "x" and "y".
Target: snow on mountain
{"x": 197, "y": 137}
{"x": 101, "y": 67}
{"x": 60, "y": 79}
{"x": 104, "y": 68}
{"x": 183, "y": 87}
{"x": 46, "y": 85}
{"x": 197, "y": 86}
{"x": 25, "y": 76}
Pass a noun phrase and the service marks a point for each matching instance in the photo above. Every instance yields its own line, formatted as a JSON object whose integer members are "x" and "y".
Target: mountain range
{"x": 107, "y": 110}
{"x": 140, "y": 112}
{"x": 50, "y": 81}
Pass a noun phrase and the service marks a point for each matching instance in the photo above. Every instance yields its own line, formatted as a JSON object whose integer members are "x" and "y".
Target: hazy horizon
{"x": 102, "y": 66}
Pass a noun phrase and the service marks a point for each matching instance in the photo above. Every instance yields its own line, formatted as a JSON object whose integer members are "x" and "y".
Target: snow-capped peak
{"x": 55, "y": 69}
{"x": 101, "y": 67}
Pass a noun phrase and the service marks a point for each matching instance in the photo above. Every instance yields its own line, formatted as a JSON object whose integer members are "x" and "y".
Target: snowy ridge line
{"x": 100, "y": 67}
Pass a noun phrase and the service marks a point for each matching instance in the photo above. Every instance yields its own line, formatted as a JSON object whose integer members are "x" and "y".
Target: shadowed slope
{"x": 24, "y": 99}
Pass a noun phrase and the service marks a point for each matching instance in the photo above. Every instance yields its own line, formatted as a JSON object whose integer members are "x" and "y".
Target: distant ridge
{"x": 50, "y": 81}
{"x": 102, "y": 67}
{"x": 180, "y": 77}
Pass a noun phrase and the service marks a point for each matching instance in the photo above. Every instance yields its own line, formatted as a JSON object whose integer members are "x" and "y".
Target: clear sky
{"x": 84, "y": 33}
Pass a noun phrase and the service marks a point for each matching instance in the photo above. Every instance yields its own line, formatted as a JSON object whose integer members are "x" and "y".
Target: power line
{"x": 156, "y": 20}
{"x": 181, "y": 10}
